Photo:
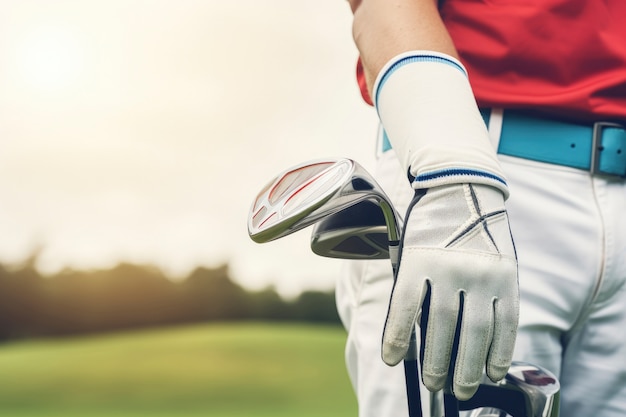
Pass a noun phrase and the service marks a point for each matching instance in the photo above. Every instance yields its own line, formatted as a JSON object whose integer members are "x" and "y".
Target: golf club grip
{"x": 450, "y": 405}
{"x": 411, "y": 376}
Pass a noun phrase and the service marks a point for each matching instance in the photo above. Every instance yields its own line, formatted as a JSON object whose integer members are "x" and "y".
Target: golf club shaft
{"x": 411, "y": 376}
{"x": 450, "y": 405}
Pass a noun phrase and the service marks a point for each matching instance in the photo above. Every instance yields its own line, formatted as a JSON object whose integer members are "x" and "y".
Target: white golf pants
{"x": 570, "y": 233}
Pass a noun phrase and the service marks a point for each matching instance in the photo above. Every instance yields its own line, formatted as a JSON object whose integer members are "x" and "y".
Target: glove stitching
{"x": 484, "y": 349}
{"x": 487, "y": 255}
{"x": 481, "y": 219}
{"x": 484, "y": 217}
{"x": 433, "y": 373}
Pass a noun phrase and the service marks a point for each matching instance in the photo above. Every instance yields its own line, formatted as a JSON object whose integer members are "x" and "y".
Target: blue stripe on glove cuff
{"x": 455, "y": 172}
{"x": 410, "y": 59}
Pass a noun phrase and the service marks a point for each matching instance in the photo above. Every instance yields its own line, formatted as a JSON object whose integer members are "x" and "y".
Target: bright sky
{"x": 141, "y": 130}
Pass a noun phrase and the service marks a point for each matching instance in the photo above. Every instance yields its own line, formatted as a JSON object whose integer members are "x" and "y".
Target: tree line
{"x": 131, "y": 296}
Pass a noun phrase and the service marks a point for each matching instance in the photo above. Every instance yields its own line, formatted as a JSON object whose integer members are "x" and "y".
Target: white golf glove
{"x": 457, "y": 255}
{"x": 458, "y": 248}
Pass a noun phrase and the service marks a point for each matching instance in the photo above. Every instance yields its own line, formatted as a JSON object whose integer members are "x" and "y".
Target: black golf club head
{"x": 357, "y": 232}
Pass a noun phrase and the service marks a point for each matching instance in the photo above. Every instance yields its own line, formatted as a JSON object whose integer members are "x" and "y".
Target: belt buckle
{"x": 596, "y": 150}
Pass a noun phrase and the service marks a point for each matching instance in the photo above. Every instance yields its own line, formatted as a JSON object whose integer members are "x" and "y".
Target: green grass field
{"x": 217, "y": 370}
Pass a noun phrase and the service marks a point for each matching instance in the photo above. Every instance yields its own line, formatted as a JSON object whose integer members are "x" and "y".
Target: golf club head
{"x": 292, "y": 200}
{"x": 526, "y": 391}
{"x": 311, "y": 191}
{"x": 357, "y": 232}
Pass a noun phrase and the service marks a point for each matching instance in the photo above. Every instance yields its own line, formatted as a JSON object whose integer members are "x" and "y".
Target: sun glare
{"x": 51, "y": 59}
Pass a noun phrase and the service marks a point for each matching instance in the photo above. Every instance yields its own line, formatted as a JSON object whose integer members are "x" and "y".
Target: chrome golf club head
{"x": 316, "y": 190}
{"x": 291, "y": 201}
{"x": 526, "y": 391}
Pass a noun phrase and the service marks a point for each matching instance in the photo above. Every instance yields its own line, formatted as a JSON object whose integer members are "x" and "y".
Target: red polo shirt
{"x": 565, "y": 57}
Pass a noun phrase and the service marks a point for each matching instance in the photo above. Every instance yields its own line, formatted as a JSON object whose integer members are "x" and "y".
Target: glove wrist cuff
{"x": 459, "y": 176}
{"x": 428, "y": 110}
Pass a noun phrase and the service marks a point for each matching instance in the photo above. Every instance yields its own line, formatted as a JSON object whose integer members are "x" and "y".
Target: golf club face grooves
{"x": 370, "y": 242}
{"x": 354, "y": 244}
{"x": 293, "y": 180}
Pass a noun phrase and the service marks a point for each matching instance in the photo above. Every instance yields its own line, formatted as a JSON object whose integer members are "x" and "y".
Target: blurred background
{"x": 134, "y": 136}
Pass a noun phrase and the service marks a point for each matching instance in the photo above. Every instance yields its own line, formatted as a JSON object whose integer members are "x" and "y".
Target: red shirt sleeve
{"x": 360, "y": 77}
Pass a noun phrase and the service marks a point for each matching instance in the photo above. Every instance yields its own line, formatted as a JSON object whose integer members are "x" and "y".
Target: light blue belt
{"x": 599, "y": 148}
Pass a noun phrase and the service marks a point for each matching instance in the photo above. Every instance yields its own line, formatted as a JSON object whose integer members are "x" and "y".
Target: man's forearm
{"x": 383, "y": 29}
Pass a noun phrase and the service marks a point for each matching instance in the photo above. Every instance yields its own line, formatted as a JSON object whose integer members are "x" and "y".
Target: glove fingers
{"x": 402, "y": 313}
{"x": 440, "y": 331}
{"x": 503, "y": 344}
{"x": 474, "y": 341}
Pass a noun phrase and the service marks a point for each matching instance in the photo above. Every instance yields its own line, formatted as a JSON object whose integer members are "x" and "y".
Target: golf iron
{"x": 313, "y": 192}
{"x": 317, "y": 190}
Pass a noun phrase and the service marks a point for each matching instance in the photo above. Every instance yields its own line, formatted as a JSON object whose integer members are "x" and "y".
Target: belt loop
{"x": 495, "y": 126}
